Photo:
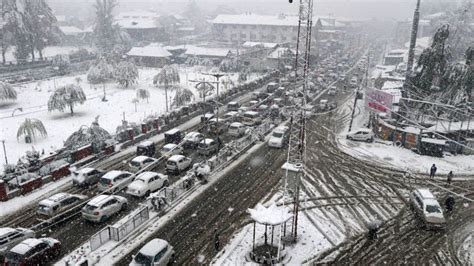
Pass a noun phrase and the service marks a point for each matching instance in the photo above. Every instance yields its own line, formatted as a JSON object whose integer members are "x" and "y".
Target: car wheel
{"x": 124, "y": 207}
{"x": 166, "y": 183}
{"x": 147, "y": 194}
{"x": 103, "y": 218}
{"x": 172, "y": 260}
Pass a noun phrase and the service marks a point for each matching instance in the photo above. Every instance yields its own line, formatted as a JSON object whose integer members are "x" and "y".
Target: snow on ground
{"x": 383, "y": 152}
{"x": 33, "y": 98}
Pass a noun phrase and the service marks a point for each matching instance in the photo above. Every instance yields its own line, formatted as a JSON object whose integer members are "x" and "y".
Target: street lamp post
{"x": 5, "y": 151}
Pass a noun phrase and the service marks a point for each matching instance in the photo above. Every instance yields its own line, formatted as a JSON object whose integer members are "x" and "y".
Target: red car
{"x": 33, "y": 251}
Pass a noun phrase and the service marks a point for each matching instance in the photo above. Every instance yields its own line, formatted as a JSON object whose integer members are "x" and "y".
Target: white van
{"x": 156, "y": 252}
{"x": 427, "y": 207}
{"x": 236, "y": 129}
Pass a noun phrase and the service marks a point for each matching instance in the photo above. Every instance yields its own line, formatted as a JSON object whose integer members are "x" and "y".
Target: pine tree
{"x": 31, "y": 128}
{"x": 104, "y": 30}
{"x": 126, "y": 74}
{"x": 7, "y": 92}
{"x": 168, "y": 78}
{"x": 66, "y": 97}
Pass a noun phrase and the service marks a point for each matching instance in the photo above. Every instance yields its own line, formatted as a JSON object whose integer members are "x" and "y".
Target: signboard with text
{"x": 379, "y": 101}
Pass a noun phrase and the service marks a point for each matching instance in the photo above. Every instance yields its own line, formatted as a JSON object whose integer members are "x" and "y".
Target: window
{"x": 161, "y": 254}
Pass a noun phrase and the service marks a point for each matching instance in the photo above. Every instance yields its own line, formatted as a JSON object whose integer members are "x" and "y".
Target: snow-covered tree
{"x": 126, "y": 74}
{"x": 104, "y": 30}
{"x": 100, "y": 72}
{"x": 16, "y": 25}
{"x": 7, "y": 92}
{"x": 143, "y": 94}
{"x": 95, "y": 135}
{"x": 31, "y": 128}
{"x": 227, "y": 82}
{"x": 135, "y": 101}
{"x": 195, "y": 15}
{"x": 204, "y": 89}
{"x": 230, "y": 65}
{"x": 41, "y": 24}
{"x": 6, "y": 40}
{"x": 66, "y": 97}
{"x": 168, "y": 78}
{"x": 183, "y": 96}
{"x": 243, "y": 75}
{"x": 61, "y": 63}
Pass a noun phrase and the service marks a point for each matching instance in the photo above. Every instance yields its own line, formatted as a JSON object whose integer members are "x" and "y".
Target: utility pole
{"x": 5, "y": 151}
{"x": 411, "y": 58}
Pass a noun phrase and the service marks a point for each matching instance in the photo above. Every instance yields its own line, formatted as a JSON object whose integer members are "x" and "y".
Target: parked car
{"x": 237, "y": 129}
{"x": 147, "y": 182}
{"x": 171, "y": 149}
{"x": 157, "y": 252}
{"x": 140, "y": 162}
{"x": 208, "y": 147}
{"x": 173, "y": 136}
{"x": 233, "y": 106}
{"x": 192, "y": 139}
{"x": 279, "y": 137}
{"x": 33, "y": 251}
{"x": 86, "y": 176}
{"x": 323, "y": 104}
{"x": 102, "y": 207}
{"x": 232, "y": 116}
{"x": 115, "y": 181}
{"x": 272, "y": 87}
{"x": 178, "y": 163}
{"x": 332, "y": 90}
{"x": 146, "y": 148}
{"x": 206, "y": 117}
{"x": 9, "y": 237}
{"x": 58, "y": 204}
{"x": 362, "y": 134}
{"x": 427, "y": 208}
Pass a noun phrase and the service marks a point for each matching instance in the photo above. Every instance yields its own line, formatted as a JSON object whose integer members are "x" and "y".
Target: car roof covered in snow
{"x": 146, "y": 143}
{"x": 146, "y": 175}
{"x": 85, "y": 170}
{"x": 97, "y": 201}
{"x": 152, "y": 248}
{"x": 54, "y": 198}
{"x": 6, "y": 231}
{"x": 172, "y": 131}
{"x": 434, "y": 141}
{"x": 140, "y": 158}
{"x": 192, "y": 134}
{"x": 25, "y": 245}
{"x": 425, "y": 193}
{"x": 236, "y": 124}
{"x": 113, "y": 174}
{"x": 176, "y": 157}
{"x": 281, "y": 129}
{"x": 170, "y": 146}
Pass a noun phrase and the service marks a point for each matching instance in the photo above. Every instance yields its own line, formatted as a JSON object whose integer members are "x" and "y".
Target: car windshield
{"x": 171, "y": 163}
{"x": 432, "y": 209}
{"x": 142, "y": 259}
{"x": 13, "y": 257}
{"x": 166, "y": 149}
{"x": 43, "y": 208}
{"x": 90, "y": 207}
{"x": 134, "y": 163}
{"x": 277, "y": 135}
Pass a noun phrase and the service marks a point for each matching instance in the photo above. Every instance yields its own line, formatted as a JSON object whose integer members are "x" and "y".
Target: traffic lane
{"x": 222, "y": 206}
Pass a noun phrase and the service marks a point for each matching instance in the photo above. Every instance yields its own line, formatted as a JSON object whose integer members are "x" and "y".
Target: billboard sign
{"x": 379, "y": 101}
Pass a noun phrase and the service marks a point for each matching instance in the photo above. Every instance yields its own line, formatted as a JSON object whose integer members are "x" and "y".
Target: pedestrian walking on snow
{"x": 450, "y": 177}
{"x": 433, "y": 171}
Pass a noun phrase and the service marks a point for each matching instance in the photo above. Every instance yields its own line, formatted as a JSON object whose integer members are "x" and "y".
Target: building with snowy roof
{"x": 152, "y": 55}
{"x": 251, "y": 27}
{"x": 141, "y": 26}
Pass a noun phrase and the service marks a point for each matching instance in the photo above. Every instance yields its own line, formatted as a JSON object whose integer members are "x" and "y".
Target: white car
{"x": 102, "y": 207}
{"x": 427, "y": 207}
{"x": 140, "y": 162}
{"x": 178, "y": 163}
{"x": 86, "y": 176}
{"x": 192, "y": 139}
{"x": 236, "y": 129}
{"x": 147, "y": 182}
{"x": 171, "y": 149}
{"x": 9, "y": 237}
{"x": 157, "y": 252}
{"x": 279, "y": 137}
{"x": 362, "y": 134}
{"x": 115, "y": 181}
{"x": 58, "y": 204}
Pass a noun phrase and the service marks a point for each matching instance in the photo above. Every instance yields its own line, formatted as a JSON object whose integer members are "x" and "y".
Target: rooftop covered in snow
{"x": 272, "y": 215}
{"x": 151, "y": 50}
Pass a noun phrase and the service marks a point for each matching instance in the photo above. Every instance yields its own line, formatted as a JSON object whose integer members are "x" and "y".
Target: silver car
{"x": 427, "y": 208}
{"x": 157, "y": 252}
{"x": 115, "y": 181}
{"x": 102, "y": 207}
{"x": 9, "y": 237}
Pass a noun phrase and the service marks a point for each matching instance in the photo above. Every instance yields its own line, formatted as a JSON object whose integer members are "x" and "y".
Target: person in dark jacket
{"x": 450, "y": 177}
{"x": 216, "y": 240}
{"x": 449, "y": 203}
{"x": 433, "y": 171}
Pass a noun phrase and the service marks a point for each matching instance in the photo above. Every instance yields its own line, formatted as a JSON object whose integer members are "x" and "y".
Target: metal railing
{"x": 117, "y": 233}
{"x": 102, "y": 237}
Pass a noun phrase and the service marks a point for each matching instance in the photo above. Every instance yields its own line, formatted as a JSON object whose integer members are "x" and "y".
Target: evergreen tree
{"x": 104, "y": 30}
{"x": 126, "y": 74}
{"x": 66, "y": 97}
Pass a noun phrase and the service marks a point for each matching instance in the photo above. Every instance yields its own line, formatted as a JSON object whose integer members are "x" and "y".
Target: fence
{"x": 102, "y": 237}
{"x": 117, "y": 233}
